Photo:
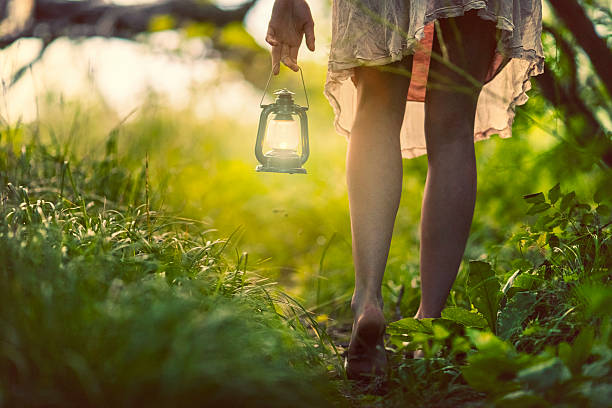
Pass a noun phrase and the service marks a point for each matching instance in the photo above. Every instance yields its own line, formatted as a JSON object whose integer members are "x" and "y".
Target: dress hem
{"x": 341, "y": 71}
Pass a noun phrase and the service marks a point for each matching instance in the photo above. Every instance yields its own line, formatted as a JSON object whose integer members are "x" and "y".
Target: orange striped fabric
{"x": 421, "y": 62}
{"x": 420, "y": 66}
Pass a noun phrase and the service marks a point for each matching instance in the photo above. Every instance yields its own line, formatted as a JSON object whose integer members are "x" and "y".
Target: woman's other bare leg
{"x": 374, "y": 179}
{"x": 450, "y": 189}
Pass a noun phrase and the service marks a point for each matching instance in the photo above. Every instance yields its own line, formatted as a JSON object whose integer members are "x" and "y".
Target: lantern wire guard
{"x": 282, "y": 130}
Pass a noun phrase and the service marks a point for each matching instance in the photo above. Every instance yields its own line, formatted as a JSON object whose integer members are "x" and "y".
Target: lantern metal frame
{"x": 283, "y": 106}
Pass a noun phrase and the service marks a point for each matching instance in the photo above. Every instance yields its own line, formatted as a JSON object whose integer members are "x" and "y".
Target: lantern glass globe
{"x": 283, "y": 135}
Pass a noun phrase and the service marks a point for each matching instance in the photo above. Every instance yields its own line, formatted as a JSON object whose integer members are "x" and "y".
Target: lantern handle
{"x": 261, "y": 105}
{"x": 304, "y": 85}
{"x": 268, "y": 83}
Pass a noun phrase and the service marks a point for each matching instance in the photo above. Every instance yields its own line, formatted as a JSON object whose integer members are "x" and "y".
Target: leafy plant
{"x": 543, "y": 337}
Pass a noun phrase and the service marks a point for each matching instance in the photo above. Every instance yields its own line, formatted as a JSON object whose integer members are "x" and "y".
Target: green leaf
{"x": 587, "y": 219}
{"x": 460, "y": 345}
{"x": 521, "y": 263}
{"x": 597, "y": 298}
{"x": 510, "y": 281}
{"x": 599, "y": 395}
{"x": 490, "y": 373}
{"x": 597, "y": 369}
{"x": 554, "y": 193}
{"x": 234, "y": 35}
{"x": 545, "y": 375}
{"x": 161, "y": 22}
{"x": 200, "y": 30}
{"x": 546, "y": 222}
{"x": 568, "y": 200}
{"x": 582, "y": 206}
{"x": 565, "y": 353}
{"x": 581, "y": 349}
{"x": 534, "y": 198}
{"x": 399, "y": 342}
{"x": 601, "y": 193}
{"x": 603, "y": 210}
{"x": 495, "y": 365}
{"x": 511, "y": 318}
{"x": 410, "y": 325}
{"x": 578, "y": 209}
{"x": 538, "y": 208}
{"x": 487, "y": 342}
{"x": 521, "y": 399}
{"x": 440, "y": 332}
{"x": 464, "y": 317}
{"x": 483, "y": 290}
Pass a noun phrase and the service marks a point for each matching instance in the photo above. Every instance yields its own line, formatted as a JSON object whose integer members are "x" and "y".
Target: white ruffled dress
{"x": 378, "y": 32}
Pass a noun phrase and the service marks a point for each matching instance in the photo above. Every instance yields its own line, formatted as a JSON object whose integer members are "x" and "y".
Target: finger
{"x": 293, "y": 54}
{"x": 286, "y": 57}
{"x": 271, "y": 37}
{"x": 309, "y": 33}
{"x": 276, "y": 56}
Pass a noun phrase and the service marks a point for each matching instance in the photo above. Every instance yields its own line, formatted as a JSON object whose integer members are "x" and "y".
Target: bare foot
{"x": 366, "y": 353}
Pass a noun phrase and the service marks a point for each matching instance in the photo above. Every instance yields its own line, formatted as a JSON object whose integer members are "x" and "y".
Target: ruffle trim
{"x": 536, "y": 67}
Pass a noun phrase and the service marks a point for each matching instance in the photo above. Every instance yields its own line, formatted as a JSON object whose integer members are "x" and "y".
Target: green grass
{"x": 138, "y": 262}
{"x": 103, "y": 304}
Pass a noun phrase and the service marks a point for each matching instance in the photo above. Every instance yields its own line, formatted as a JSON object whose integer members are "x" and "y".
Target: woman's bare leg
{"x": 374, "y": 179}
{"x": 450, "y": 189}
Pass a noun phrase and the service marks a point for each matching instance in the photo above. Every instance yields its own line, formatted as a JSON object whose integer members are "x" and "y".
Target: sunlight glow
{"x": 123, "y": 72}
{"x": 283, "y": 135}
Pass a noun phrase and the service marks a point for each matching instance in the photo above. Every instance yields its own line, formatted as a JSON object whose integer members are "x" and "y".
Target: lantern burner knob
{"x": 284, "y": 95}
{"x": 283, "y": 92}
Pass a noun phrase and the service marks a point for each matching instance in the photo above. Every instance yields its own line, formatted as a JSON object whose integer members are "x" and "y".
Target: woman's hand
{"x": 290, "y": 21}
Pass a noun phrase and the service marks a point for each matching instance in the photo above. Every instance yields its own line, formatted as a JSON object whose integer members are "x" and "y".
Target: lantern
{"x": 283, "y": 132}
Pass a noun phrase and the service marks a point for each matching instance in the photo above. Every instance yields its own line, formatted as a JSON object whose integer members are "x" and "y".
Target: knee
{"x": 450, "y": 122}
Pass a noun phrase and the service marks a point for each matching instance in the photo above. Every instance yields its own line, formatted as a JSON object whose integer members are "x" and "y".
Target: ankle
{"x": 361, "y": 303}
{"x": 423, "y": 313}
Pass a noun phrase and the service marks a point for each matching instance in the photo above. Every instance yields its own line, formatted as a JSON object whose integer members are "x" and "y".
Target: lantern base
{"x": 297, "y": 170}
{"x": 282, "y": 161}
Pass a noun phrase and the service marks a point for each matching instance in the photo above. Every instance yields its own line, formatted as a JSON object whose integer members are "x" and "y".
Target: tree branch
{"x": 568, "y": 52}
{"x": 574, "y": 17}
{"x": 52, "y": 19}
{"x": 561, "y": 97}
{"x": 21, "y": 71}
{"x": 573, "y": 106}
